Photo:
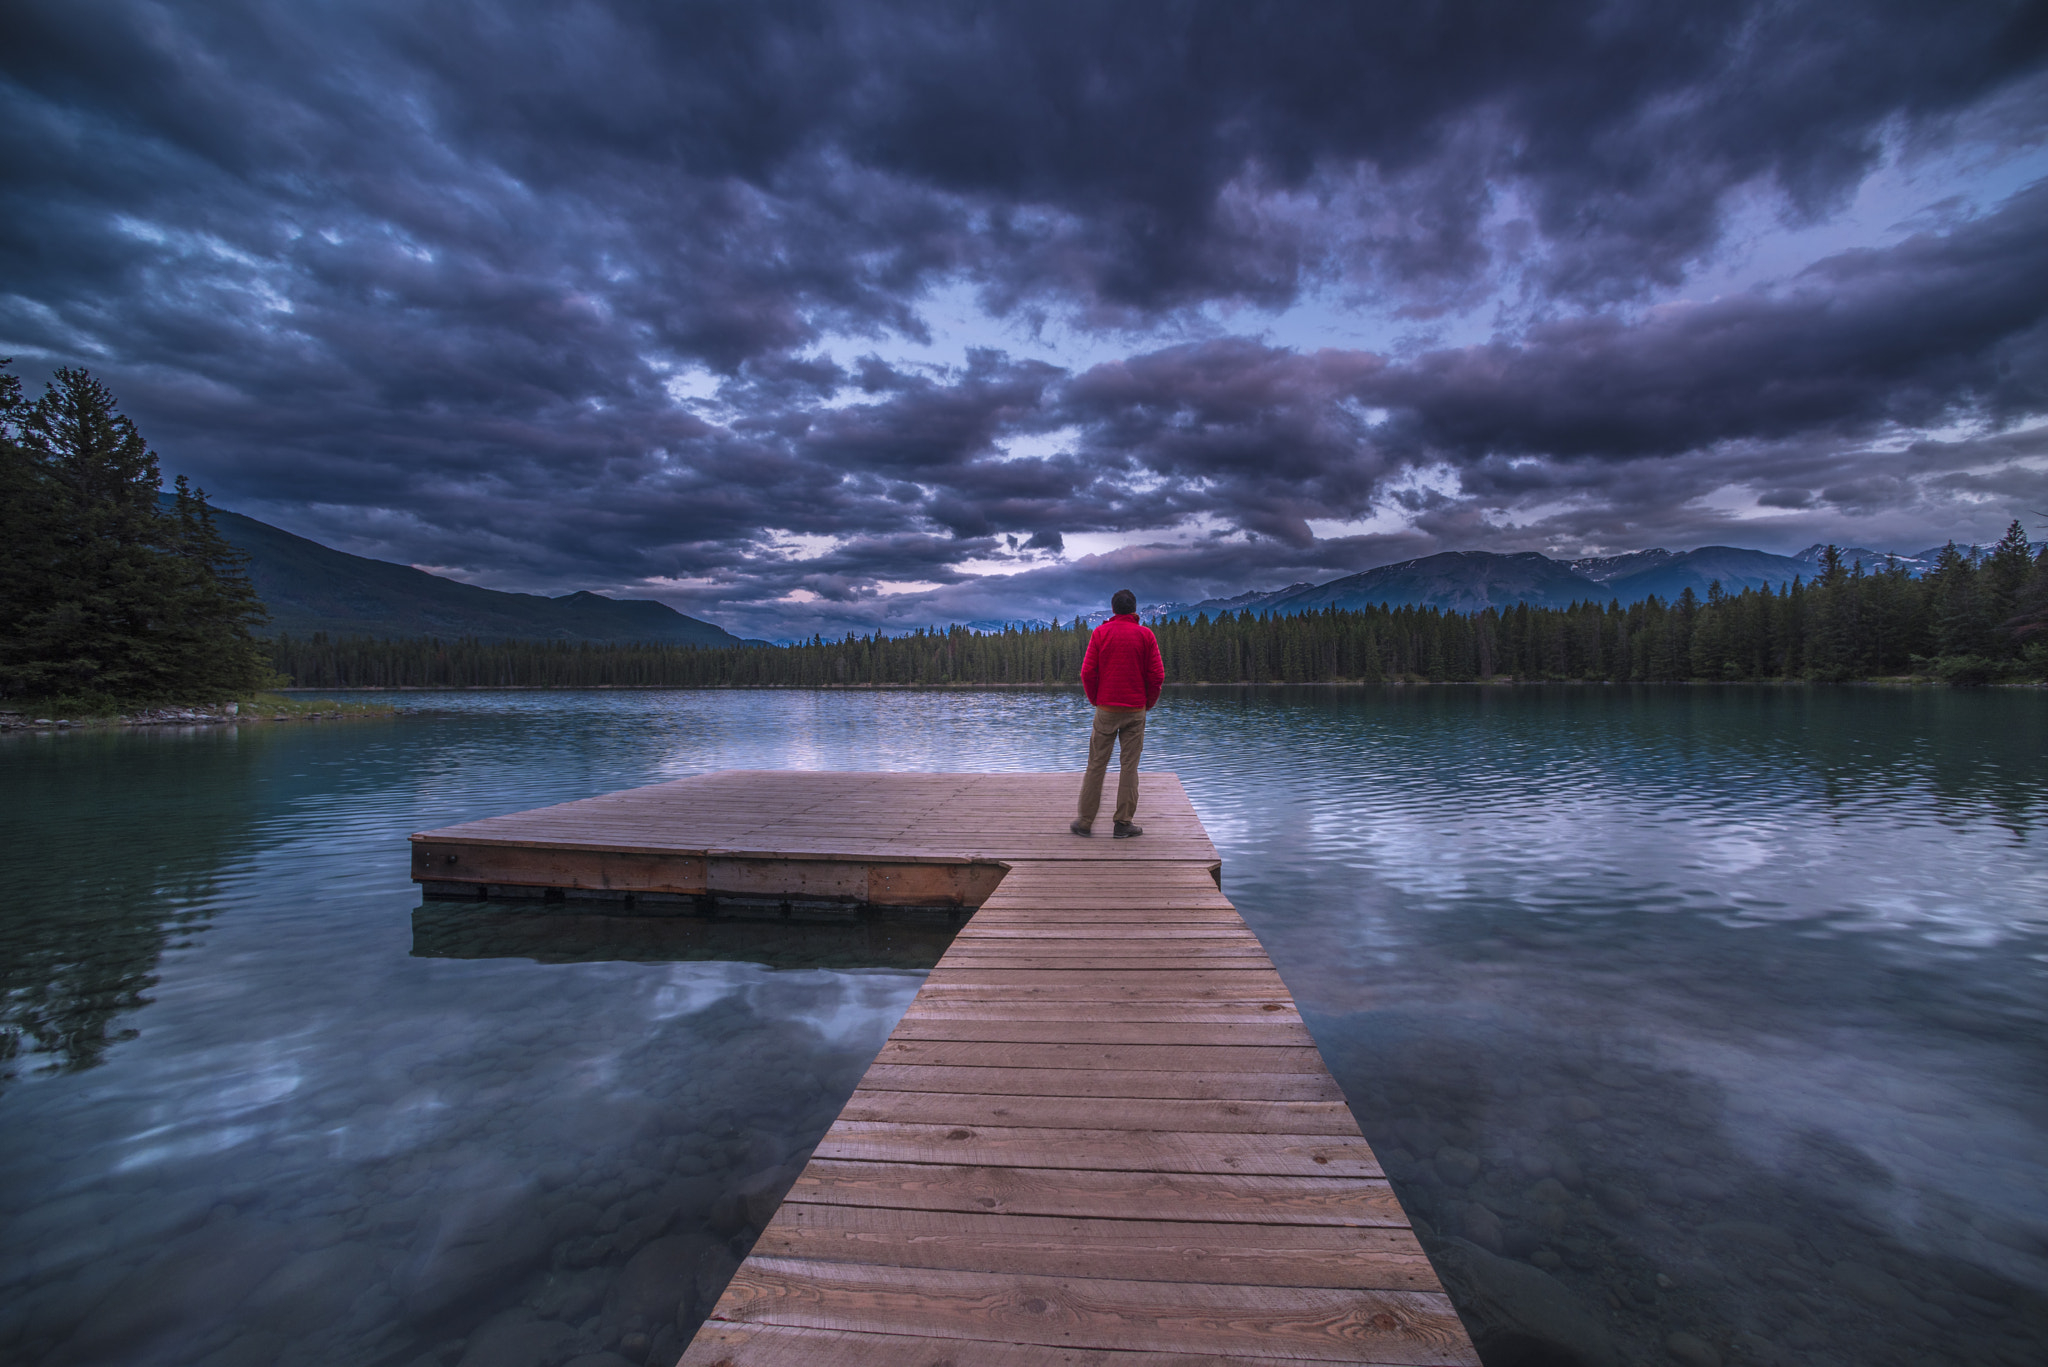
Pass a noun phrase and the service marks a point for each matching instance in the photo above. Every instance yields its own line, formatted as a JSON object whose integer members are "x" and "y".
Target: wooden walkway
{"x": 1101, "y": 1135}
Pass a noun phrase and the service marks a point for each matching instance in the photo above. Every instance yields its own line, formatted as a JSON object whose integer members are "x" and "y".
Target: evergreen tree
{"x": 2004, "y": 574}
{"x": 2029, "y": 622}
{"x": 1956, "y": 603}
{"x": 107, "y": 580}
{"x": 104, "y": 594}
{"x": 1832, "y": 571}
{"x": 29, "y": 518}
{"x": 215, "y": 652}
{"x": 1710, "y": 635}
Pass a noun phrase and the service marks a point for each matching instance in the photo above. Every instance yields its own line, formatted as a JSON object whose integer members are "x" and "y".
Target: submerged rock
{"x": 645, "y": 1293}
{"x": 1739, "y": 1238}
{"x": 1457, "y": 1166}
{"x": 1868, "y": 1282}
{"x": 516, "y": 1339}
{"x": 1616, "y": 1199}
{"x": 258, "y": 1349}
{"x": 1483, "y": 1227}
{"x": 313, "y": 1288}
{"x": 196, "y": 1281}
{"x": 478, "y": 1259}
{"x": 1518, "y": 1315}
{"x": 571, "y": 1296}
{"x": 1690, "y": 1350}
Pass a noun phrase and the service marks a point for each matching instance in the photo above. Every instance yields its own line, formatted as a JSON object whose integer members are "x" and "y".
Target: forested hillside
{"x": 1966, "y": 621}
{"x": 308, "y": 587}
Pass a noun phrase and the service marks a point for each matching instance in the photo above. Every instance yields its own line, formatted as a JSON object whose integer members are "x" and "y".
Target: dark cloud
{"x": 1939, "y": 327}
{"x": 559, "y": 295}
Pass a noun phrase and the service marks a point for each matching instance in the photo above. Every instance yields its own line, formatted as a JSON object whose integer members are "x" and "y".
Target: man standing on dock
{"x": 1121, "y": 674}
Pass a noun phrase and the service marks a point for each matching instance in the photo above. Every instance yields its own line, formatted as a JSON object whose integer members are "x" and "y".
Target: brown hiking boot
{"x": 1125, "y": 830}
{"x": 1078, "y": 828}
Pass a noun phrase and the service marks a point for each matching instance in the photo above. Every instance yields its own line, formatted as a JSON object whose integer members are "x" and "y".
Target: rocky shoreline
{"x": 220, "y": 714}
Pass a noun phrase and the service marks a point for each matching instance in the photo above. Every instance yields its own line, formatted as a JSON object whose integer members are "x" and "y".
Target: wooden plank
{"x": 1215, "y": 1117}
{"x": 991, "y": 930}
{"x": 781, "y": 1345}
{"x": 1386, "y": 1259}
{"x": 972, "y": 961}
{"x": 1119, "y": 1150}
{"x": 1106, "y": 987}
{"x": 1316, "y": 1324}
{"x": 1192, "y": 1010}
{"x": 1088, "y": 879}
{"x": 1250, "y": 978}
{"x": 1138, "y": 895}
{"x": 1097, "y": 935}
{"x": 1107, "y": 900}
{"x": 1108, "y": 950}
{"x": 1105, "y": 1082}
{"x": 1110, "y": 918}
{"x": 959, "y": 961}
{"x": 1183, "y": 874}
{"x": 1029, "y": 930}
{"x": 1266, "y": 1031}
{"x": 1250, "y": 1198}
{"x": 1178, "y": 1057}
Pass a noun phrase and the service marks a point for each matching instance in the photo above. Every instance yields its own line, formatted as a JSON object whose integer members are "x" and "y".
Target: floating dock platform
{"x": 1100, "y": 1136}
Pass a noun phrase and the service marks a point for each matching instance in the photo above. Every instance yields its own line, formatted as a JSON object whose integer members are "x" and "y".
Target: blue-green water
{"x": 1672, "y": 1011}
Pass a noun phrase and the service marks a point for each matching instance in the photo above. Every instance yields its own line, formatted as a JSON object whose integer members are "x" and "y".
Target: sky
{"x": 825, "y": 317}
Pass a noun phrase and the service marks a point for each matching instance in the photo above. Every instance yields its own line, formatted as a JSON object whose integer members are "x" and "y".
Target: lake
{"x": 1685, "y": 1019}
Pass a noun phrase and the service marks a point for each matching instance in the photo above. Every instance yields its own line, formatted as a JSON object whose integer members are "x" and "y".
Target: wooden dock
{"x": 1101, "y": 1135}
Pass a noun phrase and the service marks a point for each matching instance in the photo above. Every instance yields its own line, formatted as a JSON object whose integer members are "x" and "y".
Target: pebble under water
{"x": 1695, "y": 1025}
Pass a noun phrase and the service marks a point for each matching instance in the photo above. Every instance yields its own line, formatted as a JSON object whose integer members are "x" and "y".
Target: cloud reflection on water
{"x": 1751, "y": 977}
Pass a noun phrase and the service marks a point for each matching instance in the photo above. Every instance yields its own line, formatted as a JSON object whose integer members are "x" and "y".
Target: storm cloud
{"x": 814, "y": 316}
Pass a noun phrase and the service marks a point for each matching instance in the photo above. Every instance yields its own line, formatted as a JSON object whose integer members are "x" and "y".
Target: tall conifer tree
{"x": 2005, "y": 573}
{"x": 102, "y": 593}
{"x": 1956, "y": 603}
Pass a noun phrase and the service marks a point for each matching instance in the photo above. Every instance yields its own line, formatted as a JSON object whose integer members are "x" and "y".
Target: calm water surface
{"x": 1693, "y": 1025}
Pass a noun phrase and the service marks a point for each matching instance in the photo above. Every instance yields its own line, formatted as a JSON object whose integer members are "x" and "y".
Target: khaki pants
{"x": 1124, "y": 728}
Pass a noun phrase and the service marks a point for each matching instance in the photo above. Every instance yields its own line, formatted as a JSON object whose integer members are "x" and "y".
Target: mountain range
{"x": 1472, "y": 581}
{"x": 309, "y": 587}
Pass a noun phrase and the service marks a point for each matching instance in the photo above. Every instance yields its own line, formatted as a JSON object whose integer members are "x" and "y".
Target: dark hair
{"x": 1123, "y": 600}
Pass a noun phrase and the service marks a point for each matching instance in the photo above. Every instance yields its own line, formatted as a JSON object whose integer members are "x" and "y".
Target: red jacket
{"x": 1122, "y": 667}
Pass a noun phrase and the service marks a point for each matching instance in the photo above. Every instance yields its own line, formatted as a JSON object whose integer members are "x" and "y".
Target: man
{"x": 1121, "y": 674}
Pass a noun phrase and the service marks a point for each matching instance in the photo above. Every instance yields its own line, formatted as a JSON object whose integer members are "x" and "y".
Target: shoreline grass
{"x": 99, "y": 713}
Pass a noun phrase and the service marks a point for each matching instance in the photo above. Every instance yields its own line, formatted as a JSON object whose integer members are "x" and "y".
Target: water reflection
{"x": 1764, "y": 1167}
{"x": 585, "y": 1160}
{"x": 79, "y": 954}
{"x": 1701, "y": 1027}
{"x": 1694, "y": 1024}
{"x": 314, "y": 1146}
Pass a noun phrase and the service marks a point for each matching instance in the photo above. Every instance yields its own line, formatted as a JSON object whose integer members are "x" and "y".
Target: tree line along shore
{"x": 111, "y": 600}
{"x": 1967, "y": 621}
